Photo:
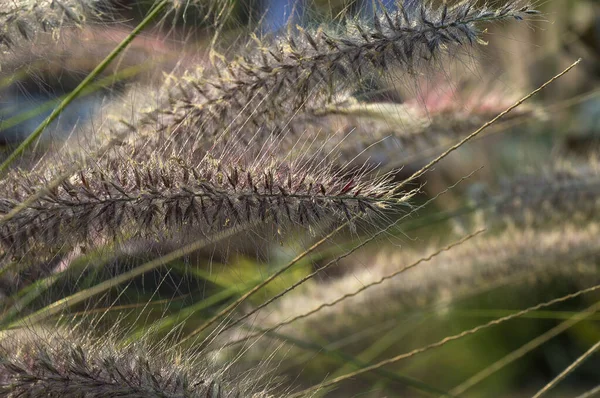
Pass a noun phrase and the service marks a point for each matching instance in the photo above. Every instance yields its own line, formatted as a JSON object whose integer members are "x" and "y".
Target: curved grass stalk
{"x": 568, "y": 370}
{"x": 435, "y": 161}
{"x": 498, "y": 128}
{"x": 230, "y": 308}
{"x": 349, "y": 299}
{"x": 233, "y": 306}
{"x": 338, "y": 355}
{"x": 346, "y": 296}
{"x": 27, "y": 295}
{"x": 396, "y": 132}
{"x": 229, "y": 292}
{"x": 418, "y": 313}
{"x": 524, "y": 349}
{"x": 80, "y": 88}
{"x": 64, "y": 303}
{"x": 591, "y": 393}
{"x": 449, "y": 339}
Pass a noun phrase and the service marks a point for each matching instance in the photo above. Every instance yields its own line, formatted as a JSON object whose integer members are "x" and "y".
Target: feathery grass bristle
{"x": 267, "y": 87}
{"x": 45, "y": 363}
{"x": 24, "y": 19}
{"x": 127, "y": 199}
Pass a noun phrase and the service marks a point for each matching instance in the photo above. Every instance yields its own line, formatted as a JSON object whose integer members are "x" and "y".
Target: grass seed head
{"x": 43, "y": 362}
{"x": 278, "y": 79}
{"x": 125, "y": 199}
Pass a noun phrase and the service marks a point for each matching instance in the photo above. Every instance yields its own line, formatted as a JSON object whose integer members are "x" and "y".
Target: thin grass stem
{"x": 365, "y": 287}
{"x": 435, "y": 161}
{"x": 78, "y": 297}
{"x": 568, "y": 370}
{"x": 82, "y": 86}
{"x": 594, "y": 392}
{"x": 448, "y": 339}
{"x": 524, "y": 349}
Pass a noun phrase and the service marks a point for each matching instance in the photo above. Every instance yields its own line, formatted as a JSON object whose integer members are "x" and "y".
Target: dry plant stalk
{"x": 477, "y": 262}
{"x": 448, "y": 339}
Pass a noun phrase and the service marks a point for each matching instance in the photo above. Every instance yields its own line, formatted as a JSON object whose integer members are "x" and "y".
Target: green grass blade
{"x": 82, "y": 86}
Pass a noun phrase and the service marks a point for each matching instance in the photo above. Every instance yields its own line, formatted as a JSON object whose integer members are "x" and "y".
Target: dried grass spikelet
{"x": 563, "y": 192}
{"x": 276, "y": 79}
{"x": 120, "y": 198}
{"x": 532, "y": 255}
{"x": 25, "y": 19}
{"x": 44, "y": 362}
{"x": 195, "y": 13}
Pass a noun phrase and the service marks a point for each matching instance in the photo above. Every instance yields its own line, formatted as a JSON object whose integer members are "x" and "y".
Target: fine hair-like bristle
{"x": 278, "y": 78}
{"x": 45, "y": 363}
{"x": 128, "y": 199}
{"x": 24, "y": 19}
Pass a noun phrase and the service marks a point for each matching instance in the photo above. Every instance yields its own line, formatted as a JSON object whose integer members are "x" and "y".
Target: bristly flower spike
{"x": 124, "y": 199}
{"x": 309, "y": 67}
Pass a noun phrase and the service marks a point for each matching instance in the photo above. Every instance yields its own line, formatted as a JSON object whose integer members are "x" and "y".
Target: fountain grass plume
{"x": 25, "y": 19}
{"x": 276, "y": 79}
{"x": 22, "y": 21}
{"x": 391, "y": 283}
{"x": 118, "y": 199}
{"x": 564, "y": 191}
{"x": 41, "y": 362}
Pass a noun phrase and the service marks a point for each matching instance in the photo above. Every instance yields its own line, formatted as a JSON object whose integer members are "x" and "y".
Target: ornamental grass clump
{"x": 120, "y": 232}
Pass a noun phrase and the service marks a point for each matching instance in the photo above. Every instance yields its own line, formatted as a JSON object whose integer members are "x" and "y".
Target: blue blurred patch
{"x": 17, "y": 103}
